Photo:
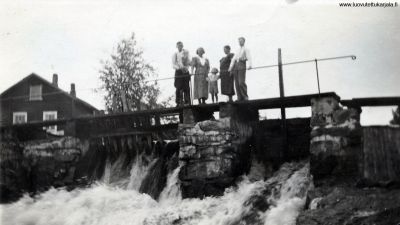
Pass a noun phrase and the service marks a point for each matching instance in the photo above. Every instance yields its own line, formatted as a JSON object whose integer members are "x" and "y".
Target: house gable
{"x": 17, "y": 98}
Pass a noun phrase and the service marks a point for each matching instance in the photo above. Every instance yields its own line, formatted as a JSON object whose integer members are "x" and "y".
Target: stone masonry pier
{"x": 213, "y": 153}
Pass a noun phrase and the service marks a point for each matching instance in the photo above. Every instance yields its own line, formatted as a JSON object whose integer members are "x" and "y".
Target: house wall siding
{"x": 17, "y": 99}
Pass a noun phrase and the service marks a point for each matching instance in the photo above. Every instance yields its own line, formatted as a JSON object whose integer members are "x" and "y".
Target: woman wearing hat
{"x": 201, "y": 67}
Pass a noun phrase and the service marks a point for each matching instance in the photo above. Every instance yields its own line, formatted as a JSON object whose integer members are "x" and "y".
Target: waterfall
{"x": 139, "y": 171}
{"x": 291, "y": 199}
{"x": 275, "y": 201}
{"x": 172, "y": 191}
{"x": 107, "y": 172}
{"x": 257, "y": 170}
{"x": 115, "y": 175}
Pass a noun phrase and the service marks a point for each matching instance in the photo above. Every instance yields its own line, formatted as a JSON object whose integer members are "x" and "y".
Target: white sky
{"x": 71, "y": 37}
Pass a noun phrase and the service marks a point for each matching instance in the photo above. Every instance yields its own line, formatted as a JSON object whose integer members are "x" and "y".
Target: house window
{"x": 20, "y": 117}
{"x": 35, "y": 92}
{"x": 50, "y": 115}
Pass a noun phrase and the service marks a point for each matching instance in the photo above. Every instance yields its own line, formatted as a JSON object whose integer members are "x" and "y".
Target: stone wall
{"x": 13, "y": 175}
{"x": 335, "y": 139}
{"x": 34, "y": 166}
{"x": 213, "y": 154}
{"x": 52, "y": 162}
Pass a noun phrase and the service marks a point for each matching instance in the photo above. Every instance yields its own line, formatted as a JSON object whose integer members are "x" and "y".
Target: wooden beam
{"x": 373, "y": 101}
{"x": 287, "y": 102}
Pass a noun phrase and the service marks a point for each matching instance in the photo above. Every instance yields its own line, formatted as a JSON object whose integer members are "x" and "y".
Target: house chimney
{"x": 55, "y": 80}
{"x": 72, "y": 92}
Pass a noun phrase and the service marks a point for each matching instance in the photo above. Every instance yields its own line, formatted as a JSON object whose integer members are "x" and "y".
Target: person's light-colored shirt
{"x": 181, "y": 59}
{"x": 242, "y": 54}
{"x": 213, "y": 77}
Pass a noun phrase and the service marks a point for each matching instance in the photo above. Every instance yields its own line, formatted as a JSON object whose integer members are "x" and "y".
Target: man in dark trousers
{"x": 181, "y": 63}
{"x": 238, "y": 67}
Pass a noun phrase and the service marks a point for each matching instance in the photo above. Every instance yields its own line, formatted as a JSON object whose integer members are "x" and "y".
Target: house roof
{"x": 78, "y": 100}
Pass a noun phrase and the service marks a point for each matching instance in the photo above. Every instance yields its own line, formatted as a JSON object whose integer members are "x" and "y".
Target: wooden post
{"x": 316, "y": 68}
{"x": 283, "y": 110}
{"x": 281, "y": 87}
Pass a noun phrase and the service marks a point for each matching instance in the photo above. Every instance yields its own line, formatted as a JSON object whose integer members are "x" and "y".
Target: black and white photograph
{"x": 199, "y": 112}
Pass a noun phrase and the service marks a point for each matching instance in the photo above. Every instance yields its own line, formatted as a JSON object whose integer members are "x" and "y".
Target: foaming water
{"x": 107, "y": 172}
{"x": 139, "y": 171}
{"x": 291, "y": 199}
{"x": 102, "y": 204}
{"x": 172, "y": 191}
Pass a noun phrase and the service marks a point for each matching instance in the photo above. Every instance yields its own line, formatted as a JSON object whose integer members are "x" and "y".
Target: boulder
{"x": 346, "y": 204}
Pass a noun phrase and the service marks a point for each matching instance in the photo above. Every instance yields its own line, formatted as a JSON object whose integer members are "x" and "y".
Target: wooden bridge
{"x": 159, "y": 122}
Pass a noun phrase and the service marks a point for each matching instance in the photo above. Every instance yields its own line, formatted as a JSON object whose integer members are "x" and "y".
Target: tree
{"x": 124, "y": 77}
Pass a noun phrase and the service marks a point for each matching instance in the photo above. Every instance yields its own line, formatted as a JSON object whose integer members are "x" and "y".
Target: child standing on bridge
{"x": 213, "y": 84}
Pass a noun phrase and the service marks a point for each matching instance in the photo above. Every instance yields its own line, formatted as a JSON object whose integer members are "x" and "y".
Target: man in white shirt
{"x": 238, "y": 69}
{"x": 181, "y": 63}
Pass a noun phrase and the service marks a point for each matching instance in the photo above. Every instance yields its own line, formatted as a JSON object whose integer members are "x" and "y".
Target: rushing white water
{"x": 257, "y": 170}
{"x": 102, "y": 204}
{"x": 107, "y": 172}
{"x": 172, "y": 191}
{"x": 292, "y": 198}
{"x": 140, "y": 169}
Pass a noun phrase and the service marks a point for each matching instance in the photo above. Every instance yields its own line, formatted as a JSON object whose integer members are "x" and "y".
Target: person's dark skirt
{"x": 227, "y": 84}
{"x": 226, "y": 79}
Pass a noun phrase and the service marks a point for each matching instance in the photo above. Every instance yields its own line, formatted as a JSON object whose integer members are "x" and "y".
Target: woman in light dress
{"x": 201, "y": 68}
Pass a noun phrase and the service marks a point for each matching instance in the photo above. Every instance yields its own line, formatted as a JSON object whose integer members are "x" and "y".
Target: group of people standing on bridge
{"x": 232, "y": 73}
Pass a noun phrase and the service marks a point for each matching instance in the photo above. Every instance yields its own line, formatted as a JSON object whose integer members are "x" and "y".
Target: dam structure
{"x": 213, "y": 153}
{"x": 187, "y": 153}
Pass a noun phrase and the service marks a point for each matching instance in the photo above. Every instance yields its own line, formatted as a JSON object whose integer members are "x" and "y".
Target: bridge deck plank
{"x": 374, "y": 101}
